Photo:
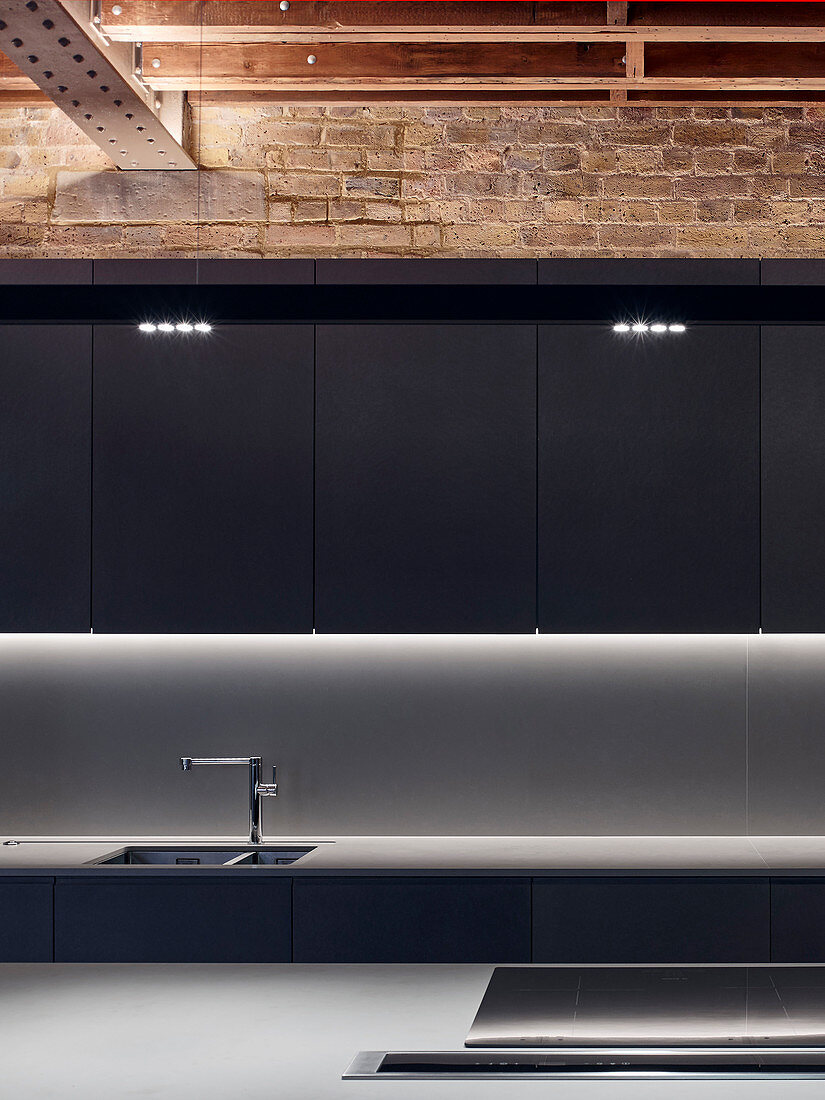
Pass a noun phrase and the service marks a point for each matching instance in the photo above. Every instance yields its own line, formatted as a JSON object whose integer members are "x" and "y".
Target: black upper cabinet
{"x": 793, "y": 478}
{"x": 203, "y": 480}
{"x": 425, "y": 478}
{"x": 648, "y": 480}
{"x": 45, "y": 469}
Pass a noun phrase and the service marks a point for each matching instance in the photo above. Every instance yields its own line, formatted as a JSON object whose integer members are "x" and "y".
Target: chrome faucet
{"x": 257, "y": 789}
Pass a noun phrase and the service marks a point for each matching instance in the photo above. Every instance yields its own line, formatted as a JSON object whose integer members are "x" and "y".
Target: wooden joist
{"x": 218, "y": 21}
{"x": 622, "y": 66}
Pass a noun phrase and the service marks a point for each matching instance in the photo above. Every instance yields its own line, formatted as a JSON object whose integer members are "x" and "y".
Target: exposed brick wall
{"x": 450, "y": 181}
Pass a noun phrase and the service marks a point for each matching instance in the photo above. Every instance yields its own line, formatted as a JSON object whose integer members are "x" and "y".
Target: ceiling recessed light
{"x": 164, "y": 326}
{"x": 147, "y": 326}
{"x": 676, "y": 328}
{"x": 184, "y": 326}
{"x": 640, "y": 326}
{"x": 621, "y": 327}
{"x": 658, "y": 327}
{"x": 202, "y": 326}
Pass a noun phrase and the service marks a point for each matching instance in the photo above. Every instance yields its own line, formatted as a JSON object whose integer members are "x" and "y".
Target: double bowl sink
{"x": 155, "y": 856}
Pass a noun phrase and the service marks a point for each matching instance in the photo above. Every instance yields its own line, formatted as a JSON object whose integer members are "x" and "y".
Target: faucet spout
{"x": 257, "y": 789}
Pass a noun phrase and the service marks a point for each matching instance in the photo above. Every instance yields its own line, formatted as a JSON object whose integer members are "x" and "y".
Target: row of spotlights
{"x": 642, "y": 326}
{"x": 181, "y": 326}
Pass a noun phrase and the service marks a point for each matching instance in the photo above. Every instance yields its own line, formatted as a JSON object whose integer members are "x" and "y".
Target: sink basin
{"x": 144, "y": 856}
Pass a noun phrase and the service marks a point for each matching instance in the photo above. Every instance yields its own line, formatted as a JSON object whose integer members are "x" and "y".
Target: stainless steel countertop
{"x": 476, "y": 855}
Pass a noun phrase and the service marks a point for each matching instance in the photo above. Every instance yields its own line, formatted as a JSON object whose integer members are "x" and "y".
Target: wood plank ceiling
{"x": 573, "y": 52}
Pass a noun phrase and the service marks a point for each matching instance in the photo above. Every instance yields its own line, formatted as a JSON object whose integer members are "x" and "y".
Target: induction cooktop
{"x": 722, "y": 1007}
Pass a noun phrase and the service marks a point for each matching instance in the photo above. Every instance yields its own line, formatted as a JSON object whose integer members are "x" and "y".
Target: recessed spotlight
{"x": 164, "y": 326}
{"x": 202, "y": 326}
{"x": 658, "y": 327}
{"x": 676, "y": 328}
{"x": 621, "y": 327}
{"x": 184, "y": 326}
{"x": 147, "y": 326}
{"x": 640, "y": 326}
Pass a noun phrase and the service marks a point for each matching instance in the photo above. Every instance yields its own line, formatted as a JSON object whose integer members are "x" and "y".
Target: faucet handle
{"x": 269, "y": 789}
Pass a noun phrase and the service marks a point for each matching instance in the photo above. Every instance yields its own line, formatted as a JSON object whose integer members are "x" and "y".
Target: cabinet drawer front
{"x": 25, "y": 922}
{"x": 167, "y": 921}
{"x": 412, "y": 920}
{"x": 798, "y": 920}
{"x": 647, "y": 920}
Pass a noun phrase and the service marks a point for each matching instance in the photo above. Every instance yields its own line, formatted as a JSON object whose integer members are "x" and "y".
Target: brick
{"x": 282, "y": 132}
{"x": 634, "y": 158}
{"x": 563, "y": 210}
{"x": 481, "y": 183}
{"x": 599, "y": 160}
{"x": 710, "y": 187}
{"x": 366, "y": 236}
{"x": 301, "y": 185}
{"x": 159, "y": 197}
{"x": 549, "y": 133}
{"x": 635, "y": 236}
{"x": 524, "y": 158}
{"x": 279, "y": 212}
{"x": 345, "y": 210}
{"x": 710, "y": 162}
{"x": 380, "y": 137}
{"x": 715, "y": 210}
{"x": 559, "y": 236}
{"x": 560, "y": 185}
{"x": 637, "y": 135}
{"x": 310, "y": 211}
{"x": 478, "y": 236}
{"x": 427, "y": 236}
{"x": 299, "y": 238}
{"x": 696, "y": 134}
{"x": 641, "y": 186}
{"x": 423, "y": 134}
{"x": 676, "y": 210}
{"x": 726, "y": 239}
{"x": 807, "y": 187}
{"x": 561, "y": 158}
{"x": 372, "y": 185}
{"x": 383, "y": 211}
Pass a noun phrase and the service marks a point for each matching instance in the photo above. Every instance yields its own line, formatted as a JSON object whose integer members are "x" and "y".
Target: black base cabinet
{"x": 798, "y": 921}
{"x": 166, "y": 920}
{"x": 26, "y": 921}
{"x": 412, "y": 920}
{"x": 651, "y": 920}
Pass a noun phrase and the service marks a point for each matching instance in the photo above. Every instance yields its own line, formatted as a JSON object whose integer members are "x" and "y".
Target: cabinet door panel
{"x": 648, "y": 480}
{"x": 793, "y": 478}
{"x": 163, "y": 920}
{"x": 651, "y": 920}
{"x": 798, "y": 920}
{"x": 45, "y": 470}
{"x": 412, "y": 920}
{"x": 25, "y": 922}
{"x": 203, "y": 480}
{"x": 425, "y": 483}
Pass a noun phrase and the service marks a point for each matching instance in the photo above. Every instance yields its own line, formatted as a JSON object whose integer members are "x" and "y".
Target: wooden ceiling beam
{"x": 620, "y": 65}
{"x": 306, "y": 22}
